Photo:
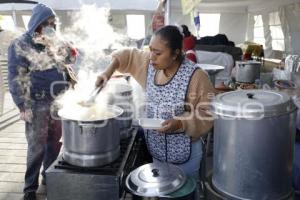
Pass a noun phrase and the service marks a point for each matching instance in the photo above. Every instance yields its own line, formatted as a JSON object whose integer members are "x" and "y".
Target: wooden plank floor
{"x": 13, "y": 147}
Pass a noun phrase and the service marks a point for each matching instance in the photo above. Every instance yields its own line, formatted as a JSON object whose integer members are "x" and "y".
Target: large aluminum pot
{"x": 90, "y": 143}
{"x": 247, "y": 71}
{"x": 254, "y": 135}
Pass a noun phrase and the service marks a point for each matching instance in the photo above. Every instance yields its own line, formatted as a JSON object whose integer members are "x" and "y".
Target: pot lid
{"x": 210, "y": 67}
{"x": 154, "y": 180}
{"x": 91, "y": 114}
{"x": 252, "y": 104}
{"x": 252, "y": 62}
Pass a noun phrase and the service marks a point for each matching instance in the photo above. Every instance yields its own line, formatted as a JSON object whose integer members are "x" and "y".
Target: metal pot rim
{"x": 238, "y": 109}
{"x": 116, "y": 109}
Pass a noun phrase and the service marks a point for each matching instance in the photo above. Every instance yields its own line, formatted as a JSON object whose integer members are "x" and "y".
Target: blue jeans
{"x": 43, "y": 136}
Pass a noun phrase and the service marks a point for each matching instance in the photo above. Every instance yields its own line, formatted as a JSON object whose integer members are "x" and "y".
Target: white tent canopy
{"x": 76, "y": 4}
{"x": 238, "y": 18}
{"x": 235, "y": 5}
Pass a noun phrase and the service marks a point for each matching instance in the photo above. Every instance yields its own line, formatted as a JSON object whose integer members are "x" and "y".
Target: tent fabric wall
{"x": 234, "y": 25}
{"x": 250, "y": 28}
{"x": 285, "y": 29}
{"x": 237, "y": 21}
{"x": 289, "y": 17}
{"x": 118, "y": 18}
{"x": 267, "y": 35}
{"x": 290, "y": 14}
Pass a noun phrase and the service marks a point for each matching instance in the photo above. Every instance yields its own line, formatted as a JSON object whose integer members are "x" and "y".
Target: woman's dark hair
{"x": 185, "y": 31}
{"x": 172, "y": 36}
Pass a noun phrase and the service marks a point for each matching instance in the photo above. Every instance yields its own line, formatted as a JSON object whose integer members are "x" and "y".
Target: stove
{"x": 69, "y": 182}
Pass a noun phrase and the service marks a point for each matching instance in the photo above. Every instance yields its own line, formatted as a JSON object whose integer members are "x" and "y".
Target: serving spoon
{"x": 92, "y": 98}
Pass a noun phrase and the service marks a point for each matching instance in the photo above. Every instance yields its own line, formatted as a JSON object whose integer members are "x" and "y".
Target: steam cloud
{"x": 94, "y": 38}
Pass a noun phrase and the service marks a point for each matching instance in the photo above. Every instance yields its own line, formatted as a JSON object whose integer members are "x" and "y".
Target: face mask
{"x": 48, "y": 31}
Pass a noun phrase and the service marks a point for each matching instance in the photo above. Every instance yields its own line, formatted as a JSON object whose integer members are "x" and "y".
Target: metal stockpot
{"x": 91, "y": 143}
{"x": 247, "y": 71}
{"x": 254, "y": 135}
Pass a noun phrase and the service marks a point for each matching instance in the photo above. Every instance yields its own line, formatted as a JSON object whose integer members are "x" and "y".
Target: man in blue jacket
{"x": 33, "y": 75}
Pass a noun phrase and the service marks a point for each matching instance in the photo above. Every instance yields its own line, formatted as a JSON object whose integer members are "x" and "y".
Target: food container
{"x": 151, "y": 123}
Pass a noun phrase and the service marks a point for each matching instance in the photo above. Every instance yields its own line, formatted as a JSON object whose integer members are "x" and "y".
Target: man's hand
{"x": 26, "y": 116}
{"x": 170, "y": 126}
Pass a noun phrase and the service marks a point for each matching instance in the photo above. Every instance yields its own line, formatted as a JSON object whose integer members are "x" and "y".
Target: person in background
{"x": 176, "y": 91}
{"x": 189, "y": 44}
{"x": 35, "y": 74}
{"x": 158, "y": 21}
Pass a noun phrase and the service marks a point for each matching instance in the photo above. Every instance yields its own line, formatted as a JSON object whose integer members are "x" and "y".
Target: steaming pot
{"x": 90, "y": 143}
{"x": 247, "y": 71}
{"x": 254, "y": 136}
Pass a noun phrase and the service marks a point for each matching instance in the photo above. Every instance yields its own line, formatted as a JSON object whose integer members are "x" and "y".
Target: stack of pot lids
{"x": 252, "y": 104}
{"x": 154, "y": 180}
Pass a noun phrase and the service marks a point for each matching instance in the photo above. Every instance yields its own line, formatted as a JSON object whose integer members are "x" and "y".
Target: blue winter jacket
{"x": 40, "y": 80}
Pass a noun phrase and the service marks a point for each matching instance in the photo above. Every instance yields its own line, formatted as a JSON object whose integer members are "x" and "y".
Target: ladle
{"x": 92, "y": 98}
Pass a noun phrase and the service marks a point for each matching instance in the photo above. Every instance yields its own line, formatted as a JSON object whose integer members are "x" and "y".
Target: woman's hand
{"x": 170, "y": 126}
{"x": 102, "y": 79}
{"x": 105, "y": 76}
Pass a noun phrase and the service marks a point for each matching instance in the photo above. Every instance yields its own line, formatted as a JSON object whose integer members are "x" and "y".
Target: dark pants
{"x": 43, "y": 136}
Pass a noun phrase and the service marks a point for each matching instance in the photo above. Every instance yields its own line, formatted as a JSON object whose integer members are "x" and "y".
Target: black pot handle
{"x": 155, "y": 172}
{"x": 250, "y": 95}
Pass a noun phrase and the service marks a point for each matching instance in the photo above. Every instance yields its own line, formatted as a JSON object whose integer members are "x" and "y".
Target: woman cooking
{"x": 176, "y": 91}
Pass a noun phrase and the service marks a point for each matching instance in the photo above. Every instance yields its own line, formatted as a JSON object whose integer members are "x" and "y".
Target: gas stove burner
{"x": 94, "y": 183}
{"x": 109, "y": 168}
